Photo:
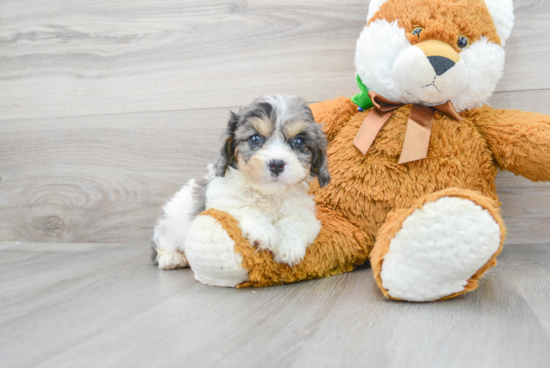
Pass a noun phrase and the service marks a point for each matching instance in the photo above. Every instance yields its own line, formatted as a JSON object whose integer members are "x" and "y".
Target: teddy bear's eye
{"x": 463, "y": 42}
{"x": 417, "y": 31}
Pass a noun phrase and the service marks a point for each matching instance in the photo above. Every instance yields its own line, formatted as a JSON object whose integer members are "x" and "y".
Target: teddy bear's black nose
{"x": 441, "y": 64}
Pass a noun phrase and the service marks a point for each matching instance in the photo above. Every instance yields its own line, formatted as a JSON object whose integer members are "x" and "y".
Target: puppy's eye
{"x": 463, "y": 42}
{"x": 417, "y": 31}
{"x": 255, "y": 140}
{"x": 298, "y": 143}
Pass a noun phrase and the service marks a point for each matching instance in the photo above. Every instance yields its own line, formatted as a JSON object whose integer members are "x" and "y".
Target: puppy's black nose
{"x": 276, "y": 166}
{"x": 441, "y": 64}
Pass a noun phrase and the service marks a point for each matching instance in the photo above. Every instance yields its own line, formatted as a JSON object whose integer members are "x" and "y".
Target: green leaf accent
{"x": 362, "y": 99}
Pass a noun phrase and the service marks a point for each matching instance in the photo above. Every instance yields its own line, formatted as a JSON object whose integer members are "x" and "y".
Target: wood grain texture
{"x": 90, "y": 305}
{"x": 108, "y": 107}
{"x": 103, "y": 174}
{"x": 125, "y": 56}
{"x": 95, "y": 178}
{"x": 104, "y": 178}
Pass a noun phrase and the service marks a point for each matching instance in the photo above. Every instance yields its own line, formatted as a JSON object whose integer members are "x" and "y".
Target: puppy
{"x": 272, "y": 149}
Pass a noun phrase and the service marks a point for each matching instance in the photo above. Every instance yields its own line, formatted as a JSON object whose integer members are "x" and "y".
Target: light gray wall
{"x": 107, "y": 107}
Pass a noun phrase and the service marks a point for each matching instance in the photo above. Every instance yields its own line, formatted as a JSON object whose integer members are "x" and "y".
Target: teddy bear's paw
{"x": 171, "y": 261}
{"x": 211, "y": 254}
{"x": 290, "y": 252}
{"x": 438, "y": 249}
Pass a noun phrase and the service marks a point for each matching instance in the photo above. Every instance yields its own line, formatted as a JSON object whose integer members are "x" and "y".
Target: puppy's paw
{"x": 261, "y": 234}
{"x": 262, "y": 238}
{"x": 171, "y": 261}
{"x": 290, "y": 253}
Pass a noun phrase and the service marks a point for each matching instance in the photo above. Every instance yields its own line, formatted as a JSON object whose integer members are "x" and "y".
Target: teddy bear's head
{"x": 432, "y": 51}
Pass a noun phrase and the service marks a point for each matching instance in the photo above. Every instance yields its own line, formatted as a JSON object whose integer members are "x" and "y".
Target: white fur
{"x": 274, "y": 214}
{"x": 211, "y": 253}
{"x": 282, "y": 222}
{"x": 276, "y": 149}
{"x": 414, "y": 73}
{"x": 438, "y": 248}
{"x": 172, "y": 228}
{"x": 485, "y": 63}
{"x": 502, "y": 12}
{"x": 378, "y": 54}
{"x": 171, "y": 260}
{"x": 377, "y": 49}
{"x": 272, "y": 206}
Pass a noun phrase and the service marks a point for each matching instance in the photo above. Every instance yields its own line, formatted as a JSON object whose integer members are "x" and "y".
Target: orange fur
{"x": 365, "y": 189}
{"x": 370, "y": 195}
{"x": 323, "y": 259}
{"x": 519, "y": 141}
{"x": 442, "y": 20}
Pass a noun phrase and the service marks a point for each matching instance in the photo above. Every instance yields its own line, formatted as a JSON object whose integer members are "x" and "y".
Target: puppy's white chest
{"x": 273, "y": 207}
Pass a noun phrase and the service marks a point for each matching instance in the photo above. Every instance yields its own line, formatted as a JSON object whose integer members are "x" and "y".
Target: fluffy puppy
{"x": 272, "y": 149}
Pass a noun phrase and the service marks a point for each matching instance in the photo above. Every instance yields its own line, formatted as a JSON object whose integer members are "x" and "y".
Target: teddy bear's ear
{"x": 373, "y": 8}
{"x": 502, "y": 12}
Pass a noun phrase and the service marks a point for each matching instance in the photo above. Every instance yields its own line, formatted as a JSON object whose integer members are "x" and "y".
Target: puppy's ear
{"x": 226, "y": 157}
{"x": 319, "y": 163}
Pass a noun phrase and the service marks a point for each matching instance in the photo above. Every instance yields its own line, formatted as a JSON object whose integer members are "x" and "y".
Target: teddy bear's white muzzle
{"x": 431, "y": 72}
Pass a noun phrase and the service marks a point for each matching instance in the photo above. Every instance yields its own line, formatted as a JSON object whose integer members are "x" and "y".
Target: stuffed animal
{"x": 413, "y": 160}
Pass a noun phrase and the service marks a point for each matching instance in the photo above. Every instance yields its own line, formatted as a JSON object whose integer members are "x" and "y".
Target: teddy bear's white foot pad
{"x": 211, "y": 254}
{"x": 438, "y": 248}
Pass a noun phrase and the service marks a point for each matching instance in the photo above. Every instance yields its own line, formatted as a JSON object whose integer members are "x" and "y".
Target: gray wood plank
{"x": 104, "y": 178}
{"x": 101, "y": 177}
{"x": 106, "y": 305}
{"x": 529, "y": 268}
{"x": 469, "y": 332}
{"x": 126, "y": 56}
{"x": 105, "y": 57}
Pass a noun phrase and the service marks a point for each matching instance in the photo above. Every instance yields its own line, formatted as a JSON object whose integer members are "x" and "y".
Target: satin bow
{"x": 419, "y": 126}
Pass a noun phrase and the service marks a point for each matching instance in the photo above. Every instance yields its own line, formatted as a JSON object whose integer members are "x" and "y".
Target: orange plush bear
{"x": 413, "y": 168}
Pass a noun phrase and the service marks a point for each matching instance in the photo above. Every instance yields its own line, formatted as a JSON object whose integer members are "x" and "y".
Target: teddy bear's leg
{"x": 210, "y": 251}
{"x": 219, "y": 255}
{"x": 439, "y": 248}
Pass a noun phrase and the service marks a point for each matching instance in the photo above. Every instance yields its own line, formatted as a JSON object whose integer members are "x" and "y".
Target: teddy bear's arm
{"x": 334, "y": 114}
{"x": 519, "y": 141}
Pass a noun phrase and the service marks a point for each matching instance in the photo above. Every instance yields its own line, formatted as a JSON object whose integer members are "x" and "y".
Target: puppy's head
{"x": 275, "y": 143}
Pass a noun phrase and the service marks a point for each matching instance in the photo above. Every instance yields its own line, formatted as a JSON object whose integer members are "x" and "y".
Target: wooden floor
{"x": 106, "y": 305}
{"x": 107, "y": 107}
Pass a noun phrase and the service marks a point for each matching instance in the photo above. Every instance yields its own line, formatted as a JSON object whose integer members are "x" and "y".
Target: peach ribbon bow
{"x": 419, "y": 126}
